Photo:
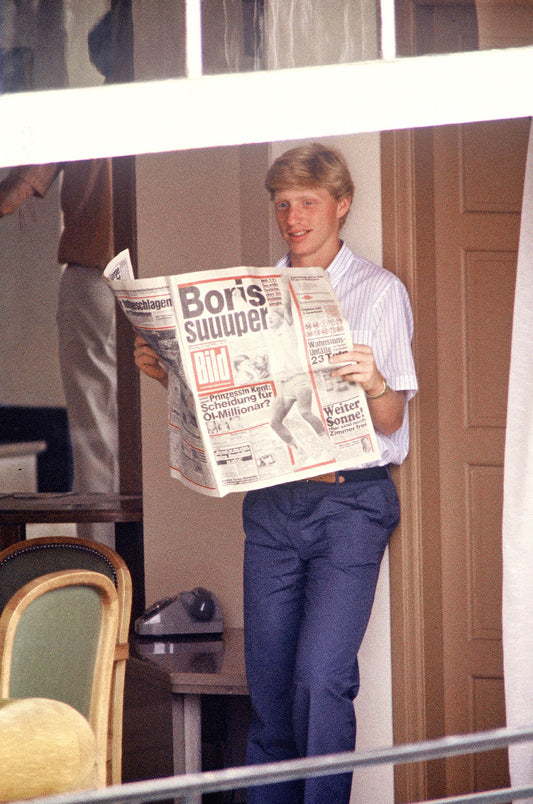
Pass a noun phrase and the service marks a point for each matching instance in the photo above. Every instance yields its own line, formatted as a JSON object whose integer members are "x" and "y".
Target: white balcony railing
{"x": 187, "y": 788}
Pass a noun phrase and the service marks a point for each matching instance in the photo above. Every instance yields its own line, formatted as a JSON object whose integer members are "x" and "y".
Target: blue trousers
{"x": 312, "y": 557}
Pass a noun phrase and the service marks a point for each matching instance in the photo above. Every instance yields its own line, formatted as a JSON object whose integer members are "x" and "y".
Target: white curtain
{"x": 518, "y": 504}
{"x": 300, "y": 33}
{"x": 509, "y": 24}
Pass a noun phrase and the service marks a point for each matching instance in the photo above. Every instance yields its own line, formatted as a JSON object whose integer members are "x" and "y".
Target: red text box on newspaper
{"x": 212, "y": 368}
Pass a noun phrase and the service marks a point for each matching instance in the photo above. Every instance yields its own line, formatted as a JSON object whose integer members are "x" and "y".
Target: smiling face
{"x": 309, "y": 219}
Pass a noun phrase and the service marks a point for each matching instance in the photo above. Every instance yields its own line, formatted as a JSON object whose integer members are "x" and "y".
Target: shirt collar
{"x": 338, "y": 265}
{"x": 334, "y": 269}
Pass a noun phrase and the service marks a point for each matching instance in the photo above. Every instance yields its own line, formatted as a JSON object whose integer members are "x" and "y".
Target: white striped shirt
{"x": 377, "y": 307}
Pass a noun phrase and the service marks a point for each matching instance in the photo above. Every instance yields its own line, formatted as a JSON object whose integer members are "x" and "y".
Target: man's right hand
{"x": 149, "y": 361}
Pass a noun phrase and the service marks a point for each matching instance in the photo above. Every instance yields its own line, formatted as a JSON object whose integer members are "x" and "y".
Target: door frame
{"x": 416, "y": 601}
{"x": 415, "y": 557}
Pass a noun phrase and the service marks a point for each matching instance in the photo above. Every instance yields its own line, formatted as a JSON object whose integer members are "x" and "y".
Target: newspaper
{"x": 251, "y": 399}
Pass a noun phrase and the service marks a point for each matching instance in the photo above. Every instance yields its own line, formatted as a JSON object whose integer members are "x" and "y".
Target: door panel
{"x": 489, "y": 769}
{"x": 492, "y": 180}
{"x": 488, "y": 324}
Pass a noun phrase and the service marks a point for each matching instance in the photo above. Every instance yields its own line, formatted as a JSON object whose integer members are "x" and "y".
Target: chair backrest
{"x": 58, "y": 635}
{"x": 26, "y": 560}
{"x": 29, "y": 559}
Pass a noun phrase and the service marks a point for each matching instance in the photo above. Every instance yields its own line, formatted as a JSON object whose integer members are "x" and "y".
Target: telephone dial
{"x": 184, "y": 614}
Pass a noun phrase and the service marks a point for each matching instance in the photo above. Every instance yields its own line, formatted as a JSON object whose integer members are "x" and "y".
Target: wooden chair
{"x": 46, "y": 748}
{"x": 32, "y": 558}
{"x": 57, "y": 640}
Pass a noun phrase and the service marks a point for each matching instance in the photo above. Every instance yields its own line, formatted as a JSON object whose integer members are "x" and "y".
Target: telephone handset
{"x": 187, "y": 613}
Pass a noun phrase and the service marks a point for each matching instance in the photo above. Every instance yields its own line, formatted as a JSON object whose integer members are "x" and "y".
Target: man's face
{"x": 309, "y": 222}
{"x": 274, "y": 318}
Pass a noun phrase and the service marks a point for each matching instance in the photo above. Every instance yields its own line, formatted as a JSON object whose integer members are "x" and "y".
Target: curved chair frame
{"x": 75, "y": 667}
{"x": 32, "y": 558}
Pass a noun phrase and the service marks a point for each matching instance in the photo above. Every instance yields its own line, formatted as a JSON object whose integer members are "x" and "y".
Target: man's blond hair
{"x": 313, "y": 165}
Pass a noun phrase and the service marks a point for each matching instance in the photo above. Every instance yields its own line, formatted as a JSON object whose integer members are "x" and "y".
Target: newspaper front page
{"x": 251, "y": 399}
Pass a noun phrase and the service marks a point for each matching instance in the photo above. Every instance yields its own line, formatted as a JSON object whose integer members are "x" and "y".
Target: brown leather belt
{"x": 329, "y": 477}
{"x": 352, "y": 475}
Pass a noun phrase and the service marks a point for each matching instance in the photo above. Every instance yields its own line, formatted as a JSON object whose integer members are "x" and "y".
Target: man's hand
{"x": 359, "y": 365}
{"x": 13, "y": 192}
{"x": 149, "y": 361}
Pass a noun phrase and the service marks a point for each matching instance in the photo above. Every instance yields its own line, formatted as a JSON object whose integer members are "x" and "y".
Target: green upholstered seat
{"x": 55, "y": 648}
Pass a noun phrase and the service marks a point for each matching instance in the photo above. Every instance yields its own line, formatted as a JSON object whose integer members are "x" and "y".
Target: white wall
{"x": 373, "y": 706}
{"x": 188, "y": 219}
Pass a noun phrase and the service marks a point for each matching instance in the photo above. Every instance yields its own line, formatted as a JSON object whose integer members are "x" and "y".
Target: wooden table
{"x": 19, "y": 509}
{"x": 196, "y": 667}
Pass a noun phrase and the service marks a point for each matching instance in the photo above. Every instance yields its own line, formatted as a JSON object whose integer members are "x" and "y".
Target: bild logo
{"x": 212, "y": 368}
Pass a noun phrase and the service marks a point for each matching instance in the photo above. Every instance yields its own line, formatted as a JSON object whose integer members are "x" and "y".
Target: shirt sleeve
{"x": 40, "y": 177}
{"x": 392, "y": 336}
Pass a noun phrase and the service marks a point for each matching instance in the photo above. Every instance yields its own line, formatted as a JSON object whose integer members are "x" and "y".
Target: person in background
{"x": 313, "y": 547}
{"x": 86, "y": 307}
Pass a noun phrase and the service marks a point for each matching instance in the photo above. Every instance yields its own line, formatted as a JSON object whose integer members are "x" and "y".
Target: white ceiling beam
{"x": 266, "y": 106}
